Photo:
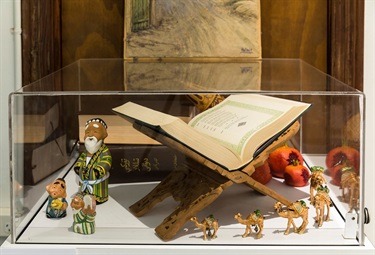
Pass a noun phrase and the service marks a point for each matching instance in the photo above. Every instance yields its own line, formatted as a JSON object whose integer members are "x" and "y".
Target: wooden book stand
{"x": 199, "y": 182}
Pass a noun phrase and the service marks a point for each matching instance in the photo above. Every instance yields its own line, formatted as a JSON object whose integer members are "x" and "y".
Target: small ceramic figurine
{"x": 254, "y": 219}
{"x": 206, "y": 225}
{"x": 322, "y": 201}
{"x": 294, "y": 210}
{"x": 316, "y": 180}
{"x": 350, "y": 186}
{"x": 84, "y": 213}
{"x": 94, "y": 163}
{"x": 56, "y": 204}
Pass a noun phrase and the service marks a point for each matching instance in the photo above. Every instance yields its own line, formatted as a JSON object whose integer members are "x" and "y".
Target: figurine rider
{"x": 56, "y": 204}
{"x": 94, "y": 163}
{"x": 84, "y": 213}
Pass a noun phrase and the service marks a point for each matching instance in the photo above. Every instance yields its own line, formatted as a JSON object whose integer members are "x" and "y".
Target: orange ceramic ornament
{"x": 296, "y": 175}
{"x": 344, "y": 156}
{"x": 262, "y": 173}
{"x": 280, "y": 158}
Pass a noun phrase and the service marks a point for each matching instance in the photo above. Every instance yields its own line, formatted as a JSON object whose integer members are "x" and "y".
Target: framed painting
{"x": 164, "y": 29}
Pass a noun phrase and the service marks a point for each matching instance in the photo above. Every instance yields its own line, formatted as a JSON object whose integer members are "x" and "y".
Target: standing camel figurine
{"x": 294, "y": 210}
{"x": 254, "y": 219}
{"x": 322, "y": 200}
{"x": 350, "y": 183}
{"x": 316, "y": 180}
{"x": 206, "y": 225}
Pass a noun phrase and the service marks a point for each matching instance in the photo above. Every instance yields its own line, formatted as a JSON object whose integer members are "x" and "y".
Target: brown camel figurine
{"x": 206, "y": 225}
{"x": 350, "y": 183}
{"x": 294, "y": 210}
{"x": 254, "y": 219}
{"x": 316, "y": 180}
{"x": 322, "y": 200}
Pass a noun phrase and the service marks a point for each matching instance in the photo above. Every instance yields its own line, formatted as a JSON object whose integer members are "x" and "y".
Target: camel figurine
{"x": 350, "y": 183}
{"x": 316, "y": 180}
{"x": 294, "y": 210}
{"x": 322, "y": 200}
{"x": 206, "y": 225}
{"x": 254, "y": 219}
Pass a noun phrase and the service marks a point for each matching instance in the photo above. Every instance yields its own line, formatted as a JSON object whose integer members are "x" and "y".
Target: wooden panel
{"x": 41, "y": 39}
{"x": 345, "y": 62}
{"x": 41, "y": 49}
{"x": 346, "y": 30}
{"x": 295, "y": 29}
{"x": 92, "y": 29}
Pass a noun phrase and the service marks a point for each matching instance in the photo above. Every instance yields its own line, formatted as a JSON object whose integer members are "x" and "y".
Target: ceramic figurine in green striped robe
{"x": 84, "y": 213}
{"x": 94, "y": 163}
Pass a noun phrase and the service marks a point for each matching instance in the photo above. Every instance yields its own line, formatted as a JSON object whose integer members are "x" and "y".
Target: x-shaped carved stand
{"x": 199, "y": 182}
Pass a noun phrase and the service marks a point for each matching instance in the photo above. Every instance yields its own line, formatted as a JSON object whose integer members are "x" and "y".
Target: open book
{"x": 230, "y": 134}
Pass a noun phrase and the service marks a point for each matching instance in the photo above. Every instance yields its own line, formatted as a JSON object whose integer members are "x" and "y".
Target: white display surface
{"x": 118, "y": 228}
{"x": 116, "y": 225}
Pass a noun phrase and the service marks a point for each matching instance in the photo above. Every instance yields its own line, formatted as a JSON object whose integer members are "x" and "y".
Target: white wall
{"x": 7, "y": 84}
{"x": 369, "y": 89}
{"x": 8, "y": 80}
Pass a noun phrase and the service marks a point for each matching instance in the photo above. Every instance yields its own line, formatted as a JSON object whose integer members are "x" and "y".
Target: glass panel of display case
{"x": 47, "y": 133}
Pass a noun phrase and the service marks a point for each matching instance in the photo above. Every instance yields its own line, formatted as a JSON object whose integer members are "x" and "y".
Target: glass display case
{"x": 47, "y": 133}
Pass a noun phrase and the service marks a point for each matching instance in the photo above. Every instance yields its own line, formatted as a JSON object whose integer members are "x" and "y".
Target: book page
{"x": 238, "y": 118}
{"x": 180, "y": 131}
{"x": 144, "y": 114}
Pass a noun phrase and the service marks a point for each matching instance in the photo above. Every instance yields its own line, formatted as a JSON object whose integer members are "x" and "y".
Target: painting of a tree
{"x": 192, "y": 29}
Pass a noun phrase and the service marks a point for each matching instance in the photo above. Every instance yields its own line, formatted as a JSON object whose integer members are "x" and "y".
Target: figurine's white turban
{"x": 99, "y": 120}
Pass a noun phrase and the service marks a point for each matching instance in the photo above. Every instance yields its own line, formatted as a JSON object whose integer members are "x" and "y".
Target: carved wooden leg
{"x": 158, "y": 194}
{"x": 194, "y": 186}
{"x": 194, "y": 194}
